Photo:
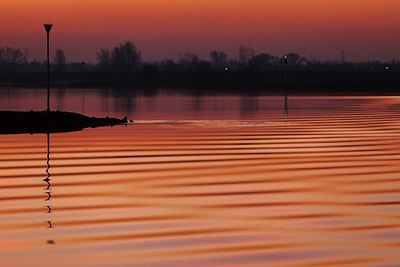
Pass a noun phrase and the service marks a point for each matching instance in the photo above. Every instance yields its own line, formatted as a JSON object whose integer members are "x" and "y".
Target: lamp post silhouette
{"x": 48, "y": 27}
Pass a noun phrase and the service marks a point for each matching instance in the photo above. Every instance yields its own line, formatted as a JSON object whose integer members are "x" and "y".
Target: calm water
{"x": 204, "y": 180}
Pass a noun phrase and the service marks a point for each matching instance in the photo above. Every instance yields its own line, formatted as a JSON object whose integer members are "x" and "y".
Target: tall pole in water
{"x": 48, "y": 27}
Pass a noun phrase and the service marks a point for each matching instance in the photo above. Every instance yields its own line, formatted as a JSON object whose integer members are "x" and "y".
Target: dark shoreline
{"x": 30, "y": 122}
{"x": 295, "y": 81}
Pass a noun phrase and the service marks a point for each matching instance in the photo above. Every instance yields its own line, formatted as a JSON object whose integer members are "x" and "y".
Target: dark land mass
{"x": 295, "y": 81}
{"x": 16, "y": 122}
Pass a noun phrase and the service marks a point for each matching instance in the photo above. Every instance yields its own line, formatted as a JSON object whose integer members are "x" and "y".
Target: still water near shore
{"x": 204, "y": 180}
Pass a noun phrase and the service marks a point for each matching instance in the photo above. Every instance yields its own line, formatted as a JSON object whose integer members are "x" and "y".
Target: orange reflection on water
{"x": 317, "y": 189}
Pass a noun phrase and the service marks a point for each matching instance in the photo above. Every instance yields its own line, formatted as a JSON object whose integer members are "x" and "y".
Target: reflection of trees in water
{"x": 110, "y": 99}
{"x": 59, "y": 96}
{"x": 249, "y": 105}
{"x": 104, "y": 97}
{"x": 47, "y": 190}
{"x": 199, "y": 95}
{"x": 197, "y": 104}
{"x": 8, "y": 94}
{"x": 122, "y": 100}
{"x": 83, "y": 100}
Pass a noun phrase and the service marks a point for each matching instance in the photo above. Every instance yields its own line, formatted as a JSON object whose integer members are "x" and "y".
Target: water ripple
{"x": 318, "y": 188}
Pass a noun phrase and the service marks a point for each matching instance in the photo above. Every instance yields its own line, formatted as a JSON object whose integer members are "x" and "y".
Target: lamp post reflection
{"x": 286, "y": 106}
{"x": 47, "y": 190}
{"x": 83, "y": 100}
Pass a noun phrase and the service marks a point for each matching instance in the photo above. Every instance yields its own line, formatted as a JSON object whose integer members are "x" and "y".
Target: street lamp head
{"x": 48, "y": 27}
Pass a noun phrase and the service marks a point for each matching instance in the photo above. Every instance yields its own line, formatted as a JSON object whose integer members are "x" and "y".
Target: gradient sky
{"x": 364, "y": 29}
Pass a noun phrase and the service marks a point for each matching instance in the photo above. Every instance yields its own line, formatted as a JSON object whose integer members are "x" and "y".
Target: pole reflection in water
{"x": 47, "y": 190}
{"x": 249, "y": 106}
{"x": 286, "y": 106}
{"x": 83, "y": 100}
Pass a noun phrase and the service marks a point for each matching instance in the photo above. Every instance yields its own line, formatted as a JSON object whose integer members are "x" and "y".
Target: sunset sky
{"x": 364, "y": 29}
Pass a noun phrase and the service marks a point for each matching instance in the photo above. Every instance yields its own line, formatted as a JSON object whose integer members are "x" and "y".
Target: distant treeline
{"x": 126, "y": 58}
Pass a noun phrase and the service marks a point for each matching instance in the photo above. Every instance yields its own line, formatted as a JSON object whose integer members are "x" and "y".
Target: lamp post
{"x": 48, "y": 27}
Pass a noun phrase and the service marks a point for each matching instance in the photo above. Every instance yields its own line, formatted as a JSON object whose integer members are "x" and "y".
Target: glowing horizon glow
{"x": 364, "y": 29}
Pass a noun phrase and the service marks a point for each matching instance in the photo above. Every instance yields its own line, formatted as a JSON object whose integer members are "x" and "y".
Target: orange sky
{"x": 365, "y": 29}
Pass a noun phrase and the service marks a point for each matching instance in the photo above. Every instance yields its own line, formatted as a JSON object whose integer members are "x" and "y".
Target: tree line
{"x": 126, "y": 57}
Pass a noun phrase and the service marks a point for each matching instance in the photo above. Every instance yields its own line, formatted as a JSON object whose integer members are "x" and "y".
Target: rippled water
{"x": 317, "y": 185}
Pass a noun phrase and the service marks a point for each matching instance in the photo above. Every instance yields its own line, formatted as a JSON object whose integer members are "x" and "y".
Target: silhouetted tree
{"x": 170, "y": 65}
{"x": 126, "y": 57}
{"x": 10, "y": 58}
{"x": 60, "y": 60}
{"x": 296, "y": 59}
{"x": 36, "y": 66}
{"x": 104, "y": 59}
{"x": 218, "y": 59}
{"x": 189, "y": 61}
{"x": 149, "y": 71}
{"x": 263, "y": 61}
{"x": 246, "y": 54}
{"x": 202, "y": 66}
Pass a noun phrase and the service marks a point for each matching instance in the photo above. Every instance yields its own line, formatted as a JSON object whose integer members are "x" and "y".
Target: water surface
{"x": 206, "y": 180}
